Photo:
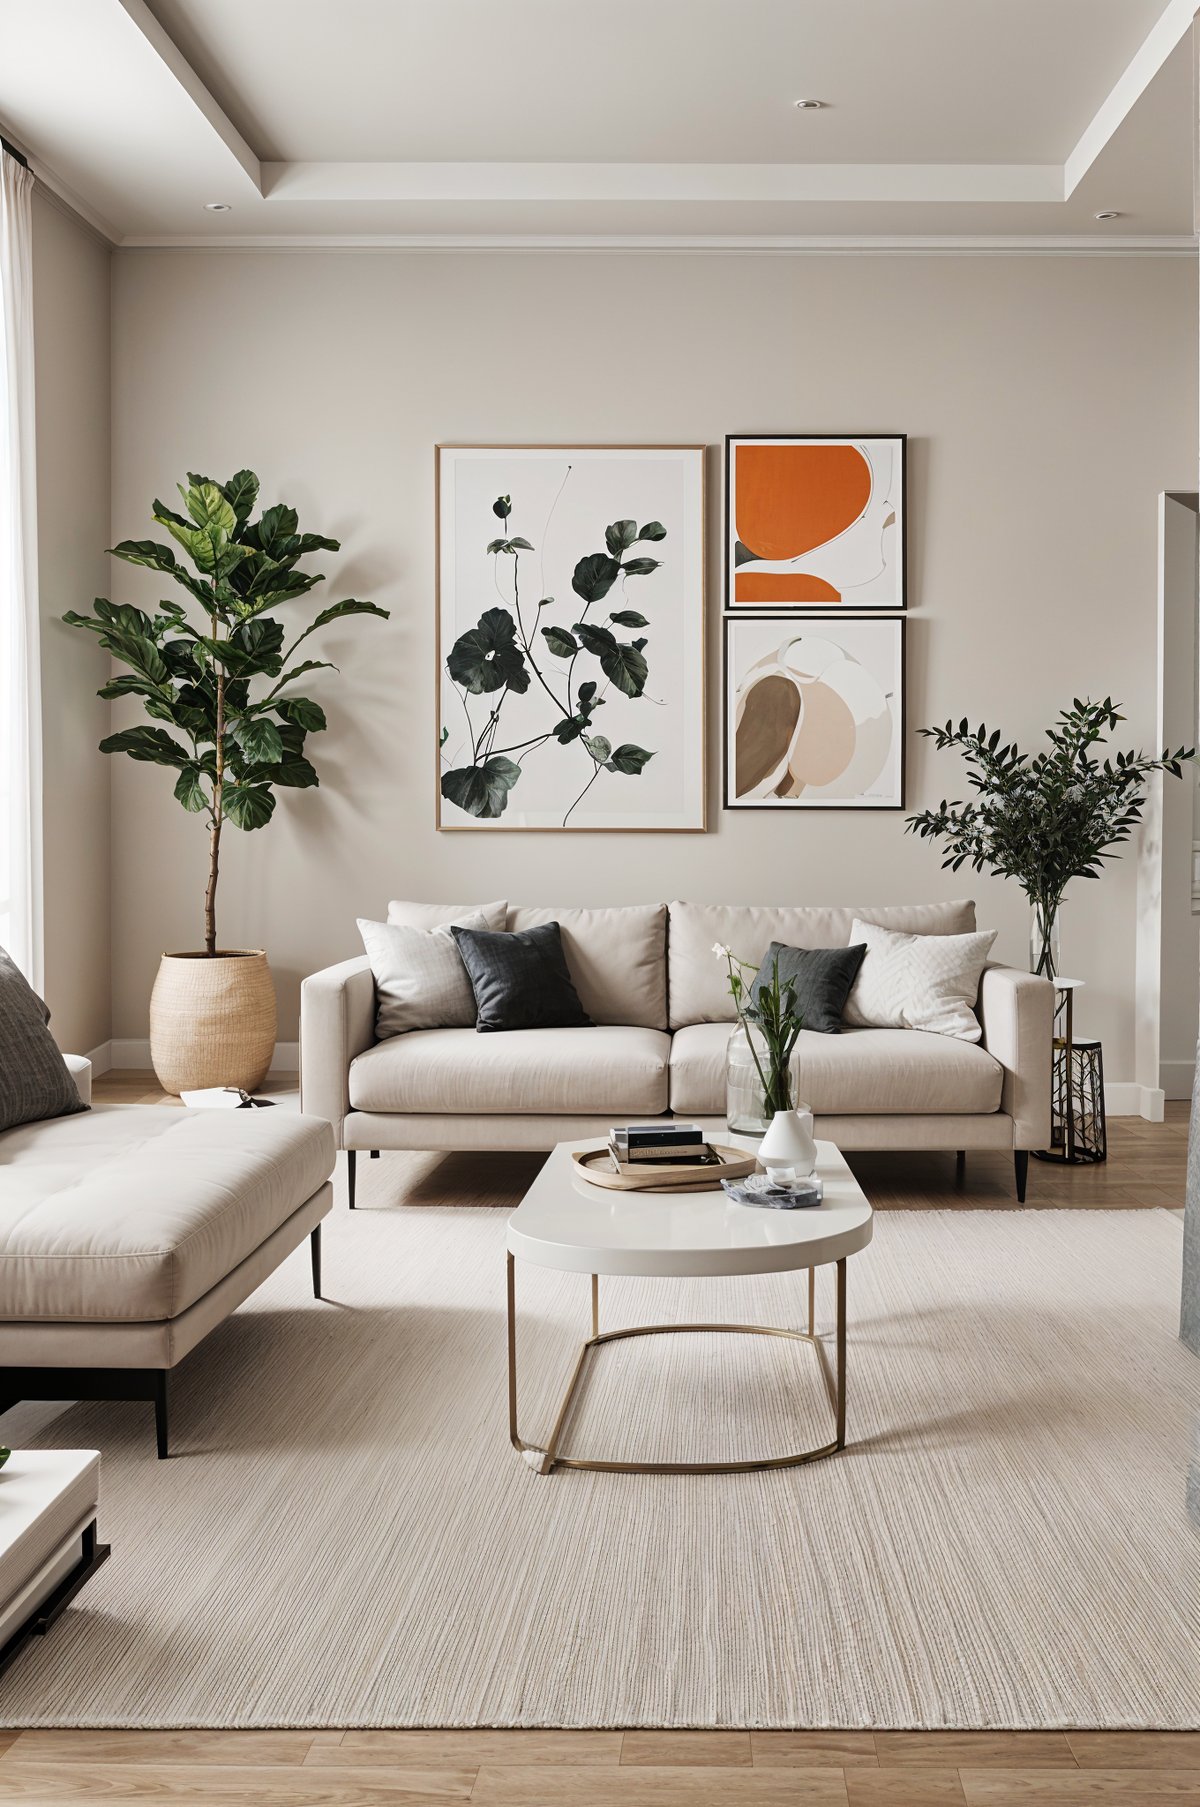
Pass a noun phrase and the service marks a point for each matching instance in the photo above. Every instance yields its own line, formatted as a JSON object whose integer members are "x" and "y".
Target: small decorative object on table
{"x": 661, "y": 1144}
{"x": 759, "y": 1080}
{"x": 715, "y": 1163}
{"x": 223, "y": 1098}
{"x": 774, "y": 1195}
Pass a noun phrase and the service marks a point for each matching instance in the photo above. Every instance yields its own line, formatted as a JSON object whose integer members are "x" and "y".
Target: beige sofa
{"x": 132, "y": 1230}
{"x": 648, "y": 978}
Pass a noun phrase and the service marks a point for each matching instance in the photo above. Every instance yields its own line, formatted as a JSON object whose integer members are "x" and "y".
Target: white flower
{"x": 720, "y": 951}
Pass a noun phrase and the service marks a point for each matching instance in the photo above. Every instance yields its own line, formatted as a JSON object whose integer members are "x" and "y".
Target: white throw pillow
{"x": 420, "y": 980}
{"x": 918, "y": 981}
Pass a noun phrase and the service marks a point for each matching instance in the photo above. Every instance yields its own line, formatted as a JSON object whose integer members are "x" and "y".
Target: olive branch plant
{"x": 232, "y": 748}
{"x": 515, "y": 646}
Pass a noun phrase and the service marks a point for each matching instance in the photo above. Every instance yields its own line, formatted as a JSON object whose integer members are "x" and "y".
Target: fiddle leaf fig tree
{"x": 217, "y": 668}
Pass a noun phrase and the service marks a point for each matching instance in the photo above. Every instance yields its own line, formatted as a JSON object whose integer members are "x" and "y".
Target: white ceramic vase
{"x": 788, "y": 1151}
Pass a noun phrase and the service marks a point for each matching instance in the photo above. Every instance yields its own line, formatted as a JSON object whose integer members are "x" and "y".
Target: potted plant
{"x": 234, "y": 732}
{"x": 760, "y": 1081}
{"x": 1045, "y": 819}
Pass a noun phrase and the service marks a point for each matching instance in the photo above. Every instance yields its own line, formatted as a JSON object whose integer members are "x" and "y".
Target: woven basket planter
{"x": 212, "y": 1021}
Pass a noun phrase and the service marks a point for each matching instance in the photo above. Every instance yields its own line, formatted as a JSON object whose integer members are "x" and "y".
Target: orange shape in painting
{"x": 782, "y": 586}
{"x": 792, "y": 498}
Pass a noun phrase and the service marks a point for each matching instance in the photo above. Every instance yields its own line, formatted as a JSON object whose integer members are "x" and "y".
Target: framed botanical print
{"x": 814, "y": 711}
{"x": 815, "y": 522}
{"x": 570, "y": 643}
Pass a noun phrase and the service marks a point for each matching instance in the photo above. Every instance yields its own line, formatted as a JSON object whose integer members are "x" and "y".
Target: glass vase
{"x": 755, "y": 1088}
{"x": 1045, "y": 934}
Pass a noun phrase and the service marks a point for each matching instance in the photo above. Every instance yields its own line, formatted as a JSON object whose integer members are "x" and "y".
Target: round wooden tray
{"x": 597, "y": 1167}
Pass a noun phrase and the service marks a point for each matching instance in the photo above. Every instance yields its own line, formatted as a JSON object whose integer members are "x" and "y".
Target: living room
{"x": 467, "y": 468}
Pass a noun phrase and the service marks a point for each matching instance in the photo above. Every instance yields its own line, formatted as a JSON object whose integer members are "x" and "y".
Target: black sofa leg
{"x": 374, "y": 1154}
{"x": 351, "y": 1158}
{"x": 315, "y": 1243}
{"x": 160, "y": 1412}
{"x": 1021, "y": 1162}
{"x": 960, "y": 1167}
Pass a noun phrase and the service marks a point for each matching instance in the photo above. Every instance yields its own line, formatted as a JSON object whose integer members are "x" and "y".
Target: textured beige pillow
{"x": 420, "y": 980}
{"x": 918, "y": 981}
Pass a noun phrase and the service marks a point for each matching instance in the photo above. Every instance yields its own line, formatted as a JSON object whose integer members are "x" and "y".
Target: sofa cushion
{"x": 34, "y": 1081}
{"x": 559, "y": 1071}
{"x": 420, "y": 979}
{"x": 696, "y": 979}
{"x": 520, "y": 979}
{"x": 820, "y": 978}
{"x": 131, "y": 1213}
{"x": 919, "y": 981}
{"x": 617, "y": 959}
{"x": 436, "y": 915}
{"x": 861, "y": 1072}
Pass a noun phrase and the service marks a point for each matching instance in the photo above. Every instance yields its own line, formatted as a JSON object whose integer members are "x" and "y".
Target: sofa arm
{"x": 80, "y": 1069}
{"x": 1016, "y": 1011}
{"x": 337, "y": 1021}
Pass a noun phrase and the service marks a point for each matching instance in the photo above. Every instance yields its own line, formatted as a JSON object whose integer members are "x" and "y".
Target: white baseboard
{"x": 1123, "y": 1098}
{"x": 101, "y": 1058}
{"x": 135, "y": 1056}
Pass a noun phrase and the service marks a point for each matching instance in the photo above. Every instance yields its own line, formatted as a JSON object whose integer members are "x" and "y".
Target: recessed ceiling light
{"x": 806, "y": 106}
{"x": 217, "y": 207}
{"x": 1107, "y": 213}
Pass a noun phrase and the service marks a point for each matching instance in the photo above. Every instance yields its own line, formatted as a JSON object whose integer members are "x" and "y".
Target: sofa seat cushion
{"x": 132, "y": 1212}
{"x": 861, "y": 1072}
{"x": 560, "y": 1071}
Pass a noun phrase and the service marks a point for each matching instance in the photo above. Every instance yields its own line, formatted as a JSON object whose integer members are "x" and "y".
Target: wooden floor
{"x": 1146, "y": 1167}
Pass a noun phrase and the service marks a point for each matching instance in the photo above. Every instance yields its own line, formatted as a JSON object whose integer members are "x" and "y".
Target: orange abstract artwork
{"x": 815, "y": 521}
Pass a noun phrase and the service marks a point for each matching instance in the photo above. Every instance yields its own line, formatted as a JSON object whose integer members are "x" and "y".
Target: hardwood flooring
{"x": 818, "y": 1768}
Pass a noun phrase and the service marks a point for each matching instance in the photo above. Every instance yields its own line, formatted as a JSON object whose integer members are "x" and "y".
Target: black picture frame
{"x": 809, "y": 621}
{"x": 729, "y": 607}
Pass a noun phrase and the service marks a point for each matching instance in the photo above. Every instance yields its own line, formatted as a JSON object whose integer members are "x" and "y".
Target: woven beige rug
{"x": 344, "y": 1536}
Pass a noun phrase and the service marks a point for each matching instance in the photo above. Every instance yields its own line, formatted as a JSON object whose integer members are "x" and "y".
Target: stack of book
{"x": 660, "y": 1145}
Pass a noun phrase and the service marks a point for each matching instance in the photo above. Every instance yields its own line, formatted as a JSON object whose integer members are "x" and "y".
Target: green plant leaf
{"x": 482, "y": 790}
{"x": 598, "y": 747}
{"x": 259, "y": 739}
{"x": 595, "y": 576}
{"x": 626, "y": 667}
{"x": 620, "y": 536}
{"x": 653, "y": 530}
{"x": 561, "y": 643}
{"x": 293, "y": 771}
{"x": 641, "y": 567}
{"x": 487, "y": 657}
{"x": 299, "y": 670}
{"x": 351, "y": 606}
{"x": 569, "y": 728}
{"x": 247, "y": 805}
{"x": 502, "y": 507}
{"x": 596, "y": 639}
{"x": 303, "y": 712}
{"x": 628, "y": 758}
{"x": 241, "y": 493}
{"x": 189, "y": 790}
{"x": 208, "y": 508}
{"x": 157, "y": 557}
{"x": 154, "y": 746}
{"x": 628, "y": 618}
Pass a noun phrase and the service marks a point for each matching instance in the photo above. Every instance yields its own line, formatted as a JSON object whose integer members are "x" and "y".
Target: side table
{"x": 1079, "y": 1132}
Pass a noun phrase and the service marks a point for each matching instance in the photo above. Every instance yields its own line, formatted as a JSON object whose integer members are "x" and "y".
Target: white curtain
{"x": 20, "y": 672}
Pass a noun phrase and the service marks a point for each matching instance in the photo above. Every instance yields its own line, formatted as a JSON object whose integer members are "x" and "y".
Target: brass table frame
{"x": 552, "y": 1458}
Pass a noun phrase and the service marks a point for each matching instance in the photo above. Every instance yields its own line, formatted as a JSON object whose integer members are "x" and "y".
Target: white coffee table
{"x": 567, "y": 1224}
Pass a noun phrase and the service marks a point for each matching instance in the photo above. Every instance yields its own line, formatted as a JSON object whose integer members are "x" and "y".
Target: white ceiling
{"x": 664, "y": 121}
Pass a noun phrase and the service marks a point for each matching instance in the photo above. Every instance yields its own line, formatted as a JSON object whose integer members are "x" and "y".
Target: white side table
{"x": 48, "y": 1547}
{"x": 565, "y": 1223}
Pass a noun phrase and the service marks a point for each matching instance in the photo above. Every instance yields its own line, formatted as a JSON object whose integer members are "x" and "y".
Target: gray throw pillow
{"x": 420, "y": 980}
{"x": 35, "y": 1082}
{"x": 520, "y": 980}
{"x": 822, "y": 977}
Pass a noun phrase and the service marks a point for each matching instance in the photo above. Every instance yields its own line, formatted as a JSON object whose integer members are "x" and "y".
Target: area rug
{"x": 345, "y": 1537}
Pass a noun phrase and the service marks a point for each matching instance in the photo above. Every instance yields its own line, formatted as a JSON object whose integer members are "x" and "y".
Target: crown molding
{"x": 840, "y": 245}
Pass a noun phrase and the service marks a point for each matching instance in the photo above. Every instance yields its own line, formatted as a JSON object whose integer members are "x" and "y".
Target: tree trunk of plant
{"x": 214, "y": 833}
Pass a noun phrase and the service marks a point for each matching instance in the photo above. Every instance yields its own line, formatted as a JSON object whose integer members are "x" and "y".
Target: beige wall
{"x": 72, "y": 355}
{"x": 1048, "y": 401}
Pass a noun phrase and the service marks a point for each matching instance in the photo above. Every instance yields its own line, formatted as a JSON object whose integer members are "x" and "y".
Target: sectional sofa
{"x": 648, "y": 978}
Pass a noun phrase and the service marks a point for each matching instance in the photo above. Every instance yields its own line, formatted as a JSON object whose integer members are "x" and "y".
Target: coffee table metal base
{"x": 551, "y": 1456}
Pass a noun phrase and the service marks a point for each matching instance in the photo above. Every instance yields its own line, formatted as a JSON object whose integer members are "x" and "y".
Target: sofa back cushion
{"x": 617, "y": 959}
{"x": 435, "y": 916}
{"x": 698, "y": 982}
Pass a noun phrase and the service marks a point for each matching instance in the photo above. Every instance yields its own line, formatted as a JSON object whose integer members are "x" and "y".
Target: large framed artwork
{"x": 814, "y": 711}
{"x": 570, "y": 655}
{"x": 814, "y": 523}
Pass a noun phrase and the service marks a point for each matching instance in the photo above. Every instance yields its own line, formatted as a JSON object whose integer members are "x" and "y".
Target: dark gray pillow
{"x": 823, "y": 978}
{"x": 34, "y": 1080}
{"x": 520, "y": 979}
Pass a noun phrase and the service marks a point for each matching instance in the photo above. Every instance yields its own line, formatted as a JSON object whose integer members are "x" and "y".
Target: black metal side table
{"x": 1078, "y": 1128}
